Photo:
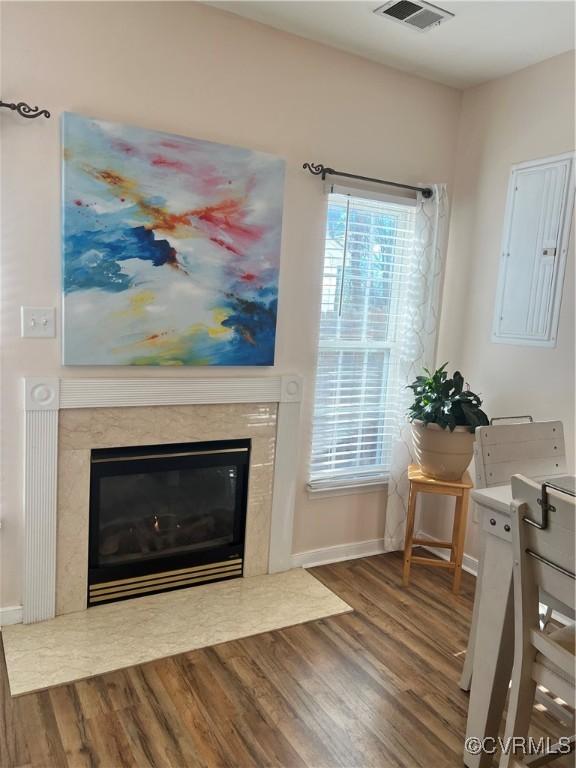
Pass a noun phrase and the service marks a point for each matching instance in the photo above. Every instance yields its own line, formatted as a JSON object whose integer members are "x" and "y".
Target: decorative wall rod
{"x": 322, "y": 170}
{"x": 24, "y": 109}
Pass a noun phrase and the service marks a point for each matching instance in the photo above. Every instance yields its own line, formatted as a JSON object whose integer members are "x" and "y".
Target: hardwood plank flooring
{"x": 377, "y": 688}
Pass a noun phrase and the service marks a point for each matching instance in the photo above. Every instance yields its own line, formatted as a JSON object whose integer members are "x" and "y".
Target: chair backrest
{"x": 534, "y": 449}
{"x": 543, "y": 526}
{"x": 544, "y": 555}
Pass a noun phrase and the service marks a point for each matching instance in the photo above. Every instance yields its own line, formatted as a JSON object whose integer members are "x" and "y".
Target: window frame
{"x": 371, "y": 482}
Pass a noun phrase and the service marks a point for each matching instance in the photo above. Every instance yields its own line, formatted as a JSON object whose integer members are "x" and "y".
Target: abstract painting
{"x": 171, "y": 248}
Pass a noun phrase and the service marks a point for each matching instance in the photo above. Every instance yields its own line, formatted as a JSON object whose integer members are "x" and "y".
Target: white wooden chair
{"x": 532, "y": 448}
{"x": 543, "y": 541}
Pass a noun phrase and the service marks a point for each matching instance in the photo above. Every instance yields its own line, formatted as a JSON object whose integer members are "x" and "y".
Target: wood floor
{"x": 369, "y": 689}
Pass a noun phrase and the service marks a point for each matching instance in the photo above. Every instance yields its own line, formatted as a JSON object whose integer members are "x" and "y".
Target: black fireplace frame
{"x": 116, "y": 461}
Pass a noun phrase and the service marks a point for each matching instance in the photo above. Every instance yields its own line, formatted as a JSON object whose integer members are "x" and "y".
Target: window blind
{"x": 367, "y": 260}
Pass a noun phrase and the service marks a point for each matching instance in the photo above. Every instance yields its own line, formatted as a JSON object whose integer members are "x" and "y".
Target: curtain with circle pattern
{"x": 416, "y": 347}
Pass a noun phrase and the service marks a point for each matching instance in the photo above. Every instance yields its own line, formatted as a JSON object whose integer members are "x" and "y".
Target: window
{"x": 368, "y": 255}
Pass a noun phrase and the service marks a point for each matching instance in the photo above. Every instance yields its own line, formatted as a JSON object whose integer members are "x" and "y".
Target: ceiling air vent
{"x": 417, "y": 15}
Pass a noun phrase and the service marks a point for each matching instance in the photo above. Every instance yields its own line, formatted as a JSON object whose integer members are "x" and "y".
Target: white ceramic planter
{"x": 442, "y": 454}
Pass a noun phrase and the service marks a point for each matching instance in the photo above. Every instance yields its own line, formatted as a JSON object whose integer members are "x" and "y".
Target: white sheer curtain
{"x": 416, "y": 346}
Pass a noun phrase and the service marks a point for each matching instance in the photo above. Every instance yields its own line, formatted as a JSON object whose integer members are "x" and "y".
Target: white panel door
{"x": 535, "y": 241}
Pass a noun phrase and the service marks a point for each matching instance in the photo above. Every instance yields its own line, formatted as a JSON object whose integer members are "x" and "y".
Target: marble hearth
{"x": 108, "y": 637}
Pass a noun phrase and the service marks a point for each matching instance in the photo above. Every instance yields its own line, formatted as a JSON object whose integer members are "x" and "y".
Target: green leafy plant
{"x": 443, "y": 401}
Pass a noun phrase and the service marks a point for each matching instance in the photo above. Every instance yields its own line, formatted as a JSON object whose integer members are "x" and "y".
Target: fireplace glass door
{"x": 178, "y": 510}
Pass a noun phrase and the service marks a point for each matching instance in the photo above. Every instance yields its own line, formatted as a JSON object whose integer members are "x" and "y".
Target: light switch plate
{"x": 38, "y": 322}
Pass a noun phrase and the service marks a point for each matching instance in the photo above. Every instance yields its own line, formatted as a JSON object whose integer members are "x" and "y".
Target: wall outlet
{"x": 38, "y": 322}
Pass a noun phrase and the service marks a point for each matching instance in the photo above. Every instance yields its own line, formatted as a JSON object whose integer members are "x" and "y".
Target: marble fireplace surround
{"x": 66, "y": 418}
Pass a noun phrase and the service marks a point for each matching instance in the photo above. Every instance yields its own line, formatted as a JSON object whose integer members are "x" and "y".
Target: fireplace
{"x": 166, "y": 517}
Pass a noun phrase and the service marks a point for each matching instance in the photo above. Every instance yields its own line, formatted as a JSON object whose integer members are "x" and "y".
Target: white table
{"x": 491, "y": 644}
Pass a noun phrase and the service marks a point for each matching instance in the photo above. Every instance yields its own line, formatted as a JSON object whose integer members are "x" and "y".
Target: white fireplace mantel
{"x": 44, "y": 397}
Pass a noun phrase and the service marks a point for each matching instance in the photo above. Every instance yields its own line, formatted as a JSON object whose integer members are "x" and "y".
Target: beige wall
{"x": 524, "y": 116}
{"x": 196, "y": 71}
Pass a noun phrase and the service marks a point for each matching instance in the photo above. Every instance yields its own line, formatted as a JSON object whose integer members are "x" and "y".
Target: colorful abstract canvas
{"x": 171, "y": 248}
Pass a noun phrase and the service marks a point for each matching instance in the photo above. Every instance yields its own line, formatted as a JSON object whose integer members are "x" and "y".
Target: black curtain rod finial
{"x": 25, "y": 110}
{"x": 317, "y": 169}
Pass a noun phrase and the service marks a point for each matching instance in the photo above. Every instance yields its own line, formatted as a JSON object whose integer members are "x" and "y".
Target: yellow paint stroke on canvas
{"x": 214, "y": 331}
{"x": 218, "y": 329}
{"x": 167, "y": 349}
{"x": 162, "y": 348}
{"x": 137, "y": 305}
{"x": 171, "y": 347}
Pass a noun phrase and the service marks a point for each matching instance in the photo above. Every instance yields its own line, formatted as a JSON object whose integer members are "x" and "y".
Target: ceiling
{"x": 486, "y": 38}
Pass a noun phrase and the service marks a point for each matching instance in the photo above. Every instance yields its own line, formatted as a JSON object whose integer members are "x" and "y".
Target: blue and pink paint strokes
{"x": 171, "y": 248}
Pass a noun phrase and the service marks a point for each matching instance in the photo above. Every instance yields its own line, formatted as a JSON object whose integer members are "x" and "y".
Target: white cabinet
{"x": 534, "y": 246}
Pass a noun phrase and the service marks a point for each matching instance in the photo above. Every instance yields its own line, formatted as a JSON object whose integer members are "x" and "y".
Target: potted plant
{"x": 444, "y": 415}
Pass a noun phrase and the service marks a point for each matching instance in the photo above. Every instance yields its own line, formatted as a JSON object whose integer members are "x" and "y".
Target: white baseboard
{"x": 11, "y": 615}
{"x": 469, "y": 563}
{"x": 338, "y": 553}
